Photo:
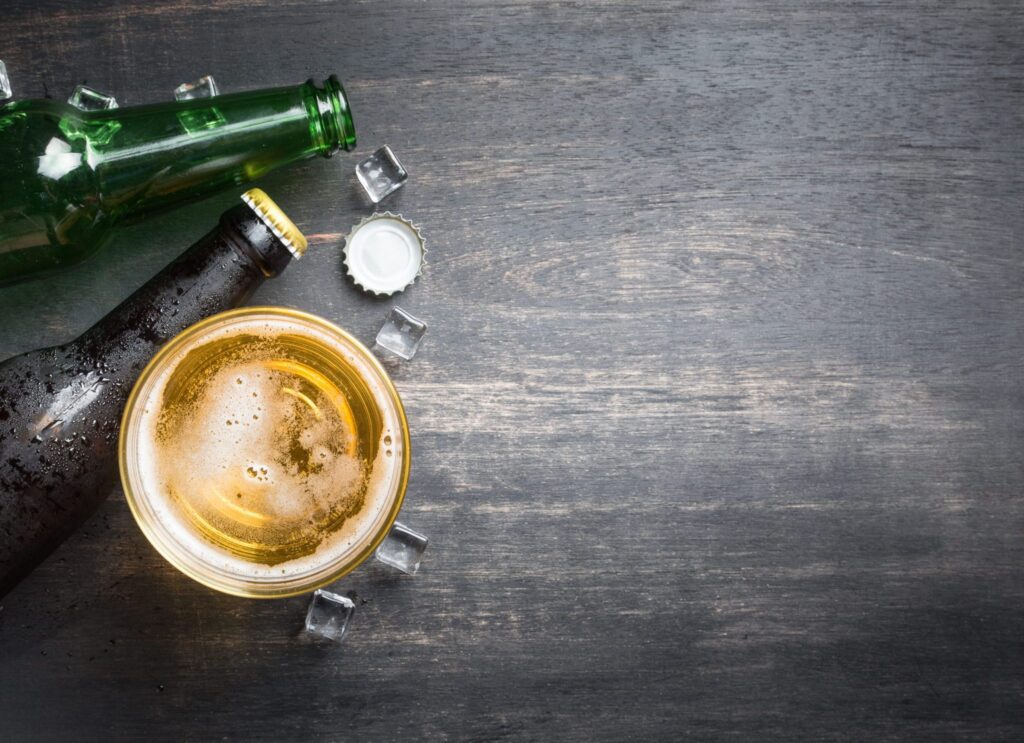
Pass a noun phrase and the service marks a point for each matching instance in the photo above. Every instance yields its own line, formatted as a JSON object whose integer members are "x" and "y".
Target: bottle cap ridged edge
{"x": 276, "y": 220}
{"x": 360, "y": 225}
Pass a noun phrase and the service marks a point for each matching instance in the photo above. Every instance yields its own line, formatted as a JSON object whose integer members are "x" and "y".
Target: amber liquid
{"x": 265, "y": 444}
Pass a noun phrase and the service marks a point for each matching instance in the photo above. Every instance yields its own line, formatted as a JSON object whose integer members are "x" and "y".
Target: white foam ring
{"x": 337, "y": 548}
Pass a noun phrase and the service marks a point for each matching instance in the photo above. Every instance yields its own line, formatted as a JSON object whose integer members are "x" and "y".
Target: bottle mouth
{"x": 339, "y": 117}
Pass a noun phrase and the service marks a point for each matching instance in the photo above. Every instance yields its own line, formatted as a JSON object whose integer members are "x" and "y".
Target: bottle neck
{"x": 217, "y": 273}
{"x": 333, "y": 118}
{"x": 147, "y": 158}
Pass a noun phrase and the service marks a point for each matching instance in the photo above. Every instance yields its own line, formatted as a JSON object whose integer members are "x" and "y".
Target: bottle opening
{"x": 335, "y": 114}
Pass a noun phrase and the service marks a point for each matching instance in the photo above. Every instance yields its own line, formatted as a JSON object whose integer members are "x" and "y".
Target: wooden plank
{"x": 718, "y": 422}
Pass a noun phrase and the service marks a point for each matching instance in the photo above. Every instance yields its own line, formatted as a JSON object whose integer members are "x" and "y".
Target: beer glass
{"x": 264, "y": 452}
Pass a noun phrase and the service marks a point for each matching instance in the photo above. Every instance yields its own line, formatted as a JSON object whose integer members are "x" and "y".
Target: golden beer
{"x": 264, "y": 452}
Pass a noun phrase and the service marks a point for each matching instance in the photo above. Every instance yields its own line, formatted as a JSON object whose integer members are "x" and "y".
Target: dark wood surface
{"x": 718, "y": 424}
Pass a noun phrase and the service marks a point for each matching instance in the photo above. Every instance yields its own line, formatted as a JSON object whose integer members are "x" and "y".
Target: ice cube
{"x": 329, "y": 615}
{"x": 381, "y": 174}
{"x": 401, "y": 333}
{"x": 5, "y": 82}
{"x": 87, "y": 99}
{"x": 204, "y": 87}
{"x": 403, "y": 549}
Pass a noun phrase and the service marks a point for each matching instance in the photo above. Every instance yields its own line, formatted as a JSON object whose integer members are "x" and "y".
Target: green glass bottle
{"x": 68, "y": 176}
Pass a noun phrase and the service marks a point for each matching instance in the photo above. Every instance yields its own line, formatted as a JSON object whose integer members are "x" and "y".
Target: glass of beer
{"x": 264, "y": 452}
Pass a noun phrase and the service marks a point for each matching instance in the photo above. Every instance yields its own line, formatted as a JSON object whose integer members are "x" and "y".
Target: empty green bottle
{"x": 67, "y": 176}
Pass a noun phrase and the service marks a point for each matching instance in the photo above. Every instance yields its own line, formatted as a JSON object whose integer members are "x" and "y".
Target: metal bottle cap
{"x": 276, "y": 220}
{"x": 384, "y": 253}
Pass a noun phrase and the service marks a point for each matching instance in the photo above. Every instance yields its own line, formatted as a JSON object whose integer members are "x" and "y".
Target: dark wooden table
{"x": 719, "y": 422}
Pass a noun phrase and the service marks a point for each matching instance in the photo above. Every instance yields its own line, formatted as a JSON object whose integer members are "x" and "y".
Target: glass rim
{"x": 261, "y": 588}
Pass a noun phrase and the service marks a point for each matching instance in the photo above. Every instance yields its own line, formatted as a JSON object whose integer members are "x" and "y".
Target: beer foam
{"x": 241, "y": 408}
{"x": 223, "y": 425}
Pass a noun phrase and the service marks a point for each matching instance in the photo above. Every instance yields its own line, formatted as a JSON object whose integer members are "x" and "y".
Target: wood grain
{"x": 718, "y": 423}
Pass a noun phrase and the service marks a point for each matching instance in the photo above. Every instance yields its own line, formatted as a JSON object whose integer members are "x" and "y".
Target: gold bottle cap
{"x": 276, "y": 220}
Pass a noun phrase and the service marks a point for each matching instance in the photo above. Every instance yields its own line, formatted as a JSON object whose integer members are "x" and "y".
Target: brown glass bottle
{"x": 60, "y": 407}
